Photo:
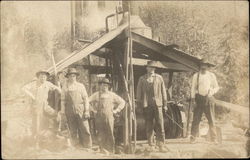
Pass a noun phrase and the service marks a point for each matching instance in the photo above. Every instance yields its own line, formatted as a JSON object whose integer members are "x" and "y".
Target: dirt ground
{"x": 16, "y": 143}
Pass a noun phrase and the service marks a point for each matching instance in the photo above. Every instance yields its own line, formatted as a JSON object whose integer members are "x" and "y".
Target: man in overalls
{"x": 105, "y": 109}
{"x": 152, "y": 97}
{"x": 204, "y": 86}
{"x": 75, "y": 105}
{"x": 38, "y": 92}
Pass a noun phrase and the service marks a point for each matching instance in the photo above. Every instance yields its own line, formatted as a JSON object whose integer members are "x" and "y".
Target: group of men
{"x": 151, "y": 96}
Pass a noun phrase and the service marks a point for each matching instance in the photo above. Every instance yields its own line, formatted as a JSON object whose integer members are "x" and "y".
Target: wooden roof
{"x": 144, "y": 49}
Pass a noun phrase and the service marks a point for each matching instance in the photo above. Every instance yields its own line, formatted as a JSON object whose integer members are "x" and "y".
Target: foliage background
{"x": 217, "y": 30}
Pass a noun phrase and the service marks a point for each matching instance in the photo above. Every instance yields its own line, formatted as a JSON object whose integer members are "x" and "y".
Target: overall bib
{"x": 78, "y": 126}
{"x": 105, "y": 123}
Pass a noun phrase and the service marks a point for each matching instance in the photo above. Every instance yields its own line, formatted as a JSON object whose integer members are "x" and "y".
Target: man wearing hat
{"x": 75, "y": 105}
{"x": 152, "y": 96}
{"x": 60, "y": 81}
{"x": 38, "y": 92}
{"x": 204, "y": 86}
{"x": 107, "y": 104}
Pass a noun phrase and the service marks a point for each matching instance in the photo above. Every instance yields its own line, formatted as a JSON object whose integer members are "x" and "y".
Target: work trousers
{"x": 79, "y": 128}
{"x": 203, "y": 104}
{"x": 39, "y": 121}
{"x": 153, "y": 116}
{"x": 105, "y": 131}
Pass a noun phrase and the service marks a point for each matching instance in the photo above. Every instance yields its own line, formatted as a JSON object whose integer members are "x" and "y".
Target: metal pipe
{"x": 85, "y": 40}
{"x": 109, "y": 16}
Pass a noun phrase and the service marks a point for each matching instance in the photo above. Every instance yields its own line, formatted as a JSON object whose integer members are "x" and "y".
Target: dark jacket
{"x": 160, "y": 94}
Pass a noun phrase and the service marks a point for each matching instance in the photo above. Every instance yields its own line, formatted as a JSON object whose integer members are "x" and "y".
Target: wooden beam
{"x": 162, "y": 49}
{"x": 233, "y": 107}
{"x": 78, "y": 55}
{"x": 164, "y": 65}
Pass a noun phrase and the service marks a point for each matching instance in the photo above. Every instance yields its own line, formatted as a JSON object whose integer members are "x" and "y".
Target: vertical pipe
{"x": 72, "y": 13}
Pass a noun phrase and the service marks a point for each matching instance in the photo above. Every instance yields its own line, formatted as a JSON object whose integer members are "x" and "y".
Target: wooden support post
{"x": 129, "y": 78}
{"x": 126, "y": 129}
{"x": 134, "y": 126}
{"x": 90, "y": 79}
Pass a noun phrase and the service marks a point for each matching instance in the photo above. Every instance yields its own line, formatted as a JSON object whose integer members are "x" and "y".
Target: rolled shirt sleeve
{"x": 84, "y": 97}
{"x": 117, "y": 99}
{"x": 214, "y": 85}
{"x": 193, "y": 85}
{"x": 29, "y": 89}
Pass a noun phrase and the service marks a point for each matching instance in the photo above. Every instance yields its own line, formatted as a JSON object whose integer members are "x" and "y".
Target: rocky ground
{"x": 17, "y": 144}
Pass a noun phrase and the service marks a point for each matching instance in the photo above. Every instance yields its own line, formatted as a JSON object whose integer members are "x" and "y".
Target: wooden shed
{"x": 126, "y": 51}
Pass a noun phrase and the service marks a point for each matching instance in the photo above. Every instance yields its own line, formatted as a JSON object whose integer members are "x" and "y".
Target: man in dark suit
{"x": 152, "y": 97}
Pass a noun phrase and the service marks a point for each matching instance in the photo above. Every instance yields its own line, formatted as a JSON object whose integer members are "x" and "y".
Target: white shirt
{"x": 208, "y": 84}
{"x": 40, "y": 91}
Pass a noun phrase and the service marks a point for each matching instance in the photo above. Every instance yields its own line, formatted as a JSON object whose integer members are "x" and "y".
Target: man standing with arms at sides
{"x": 152, "y": 96}
{"x": 75, "y": 105}
{"x": 38, "y": 92}
{"x": 204, "y": 86}
{"x": 105, "y": 108}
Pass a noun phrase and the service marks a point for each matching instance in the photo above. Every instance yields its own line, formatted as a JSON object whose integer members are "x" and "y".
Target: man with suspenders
{"x": 75, "y": 106}
{"x": 107, "y": 105}
{"x": 204, "y": 86}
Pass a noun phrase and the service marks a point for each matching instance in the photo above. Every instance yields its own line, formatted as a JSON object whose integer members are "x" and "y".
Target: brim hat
{"x": 204, "y": 61}
{"x": 42, "y": 72}
{"x": 104, "y": 80}
{"x": 62, "y": 72}
{"x": 72, "y": 71}
{"x": 153, "y": 64}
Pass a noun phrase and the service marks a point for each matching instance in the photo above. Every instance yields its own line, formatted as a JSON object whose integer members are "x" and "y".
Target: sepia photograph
{"x": 125, "y": 79}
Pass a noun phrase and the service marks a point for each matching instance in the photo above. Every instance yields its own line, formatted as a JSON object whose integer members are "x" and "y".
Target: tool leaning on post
{"x": 61, "y": 118}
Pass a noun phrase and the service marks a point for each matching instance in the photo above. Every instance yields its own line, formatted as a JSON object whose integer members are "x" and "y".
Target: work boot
{"x": 150, "y": 148}
{"x": 104, "y": 151}
{"x": 192, "y": 140}
{"x": 214, "y": 141}
{"x": 161, "y": 146}
{"x": 163, "y": 149}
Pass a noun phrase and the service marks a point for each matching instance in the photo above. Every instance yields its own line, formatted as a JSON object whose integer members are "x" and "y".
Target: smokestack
{"x": 72, "y": 7}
